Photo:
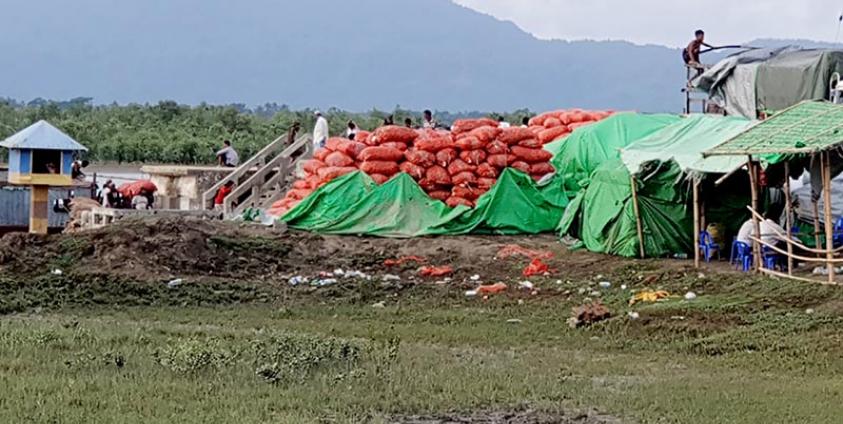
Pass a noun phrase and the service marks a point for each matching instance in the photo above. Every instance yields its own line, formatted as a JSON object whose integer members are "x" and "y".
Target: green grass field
{"x": 746, "y": 351}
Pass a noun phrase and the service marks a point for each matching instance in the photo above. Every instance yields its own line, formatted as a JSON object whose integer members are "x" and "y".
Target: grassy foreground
{"x": 746, "y": 351}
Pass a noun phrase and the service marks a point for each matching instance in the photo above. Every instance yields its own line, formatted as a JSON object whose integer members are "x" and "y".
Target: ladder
{"x": 693, "y": 96}
{"x": 264, "y": 178}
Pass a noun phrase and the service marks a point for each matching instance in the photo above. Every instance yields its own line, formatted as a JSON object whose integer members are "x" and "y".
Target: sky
{"x": 669, "y": 22}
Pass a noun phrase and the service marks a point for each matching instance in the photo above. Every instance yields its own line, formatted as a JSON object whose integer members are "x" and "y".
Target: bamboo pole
{"x": 696, "y": 224}
{"x": 788, "y": 218}
{"x": 801, "y": 246}
{"x": 815, "y": 204}
{"x": 829, "y": 236}
{"x": 801, "y": 258}
{"x": 637, "y": 216}
{"x": 753, "y": 180}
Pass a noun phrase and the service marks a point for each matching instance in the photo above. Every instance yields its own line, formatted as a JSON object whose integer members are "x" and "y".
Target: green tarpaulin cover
{"x": 579, "y": 154}
{"x": 353, "y": 204}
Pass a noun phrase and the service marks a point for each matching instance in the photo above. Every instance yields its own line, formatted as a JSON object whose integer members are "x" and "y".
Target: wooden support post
{"x": 815, "y": 204}
{"x": 638, "y": 222}
{"x": 696, "y": 223}
{"x": 789, "y": 218}
{"x": 829, "y": 220}
{"x": 39, "y": 209}
{"x": 753, "y": 180}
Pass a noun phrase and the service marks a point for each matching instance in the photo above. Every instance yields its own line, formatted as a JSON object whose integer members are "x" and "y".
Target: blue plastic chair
{"x": 708, "y": 247}
{"x": 741, "y": 255}
{"x": 772, "y": 260}
{"x": 838, "y": 232}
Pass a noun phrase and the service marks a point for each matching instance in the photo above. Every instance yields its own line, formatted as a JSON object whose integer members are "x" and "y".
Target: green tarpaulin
{"x": 399, "y": 208}
{"x": 579, "y": 154}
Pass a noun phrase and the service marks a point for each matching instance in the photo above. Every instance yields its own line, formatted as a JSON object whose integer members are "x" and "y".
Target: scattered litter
{"x": 379, "y": 305}
{"x": 588, "y": 314}
{"x": 809, "y": 311}
{"x": 471, "y": 293}
{"x": 514, "y": 321}
{"x": 700, "y": 276}
{"x": 595, "y": 293}
{"x": 391, "y": 277}
{"x": 525, "y": 285}
{"x": 605, "y": 284}
{"x": 298, "y": 280}
{"x": 511, "y": 250}
{"x": 436, "y": 271}
{"x": 404, "y": 259}
{"x": 821, "y": 270}
{"x": 650, "y": 280}
{"x": 649, "y": 296}
{"x": 633, "y": 315}
{"x": 339, "y": 273}
{"x": 175, "y": 283}
{"x": 358, "y": 274}
{"x": 690, "y": 296}
{"x": 536, "y": 267}
{"x": 492, "y": 289}
{"x": 57, "y": 272}
{"x": 581, "y": 290}
{"x": 678, "y": 318}
{"x": 322, "y": 282}
{"x": 599, "y": 277}
{"x": 623, "y": 286}
{"x": 520, "y": 301}
{"x": 475, "y": 278}
{"x": 559, "y": 282}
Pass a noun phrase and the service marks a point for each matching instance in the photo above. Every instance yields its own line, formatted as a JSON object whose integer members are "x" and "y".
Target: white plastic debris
{"x": 339, "y": 272}
{"x": 175, "y": 283}
{"x": 57, "y": 272}
{"x": 633, "y": 315}
{"x": 475, "y": 278}
{"x": 690, "y": 296}
{"x": 297, "y": 280}
{"x": 379, "y": 305}
{"x": 471, "y": 293}
{"x": 514, "y": 321}
{"x": 525, "y": 285}
{"x": 357, "y": 274}
{"x": 558, "y": 282}
{"x": 623, "y": 286}
{"x": 605, "y": 284}
{"x": 594, "y": 293}
{"x": 809, "y": 311}
{"x": 322, "y": 282}
{"x": 600, "y": 277}
{"x": 581, "y": 290}
{"x": 391, "y": 277}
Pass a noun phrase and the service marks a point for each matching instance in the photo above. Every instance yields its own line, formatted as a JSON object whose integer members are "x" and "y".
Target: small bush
{"x": 291, "y": 357}
{"x": 194, "y": 356}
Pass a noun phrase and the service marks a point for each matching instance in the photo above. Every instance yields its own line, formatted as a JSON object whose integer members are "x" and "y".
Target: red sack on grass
{"x": 396, "y": 145}
{"x": 298, "y": 194}
{"x": 458, "y": 166}
{"x": 470, "y": 143}
{"x": 420, "y": 157}
{"x": 521, "y": 166}
{"x": 394, "y": 133}
{"x": 456, "y": 201}
{"x": 514, "y": 135}
{"x": 486, "y": 183}
{"x": 536, "y": 267}
{"x": 531, "y": 143}
{"x": 379, "y": 179}
{"x": 467, "y": 193}
{"x": 436, "y": 271}
{"x": 387, "y": 168}
{"x": 552, "y": 134}
{"x": 542, "y": 169}
{"x": 552, "y": 123}
{"x": 301, "y": 185}
{"x": 486, "y": 134}
{"x": 433, "y": 144}
{"x": 313, "y": 166}
{"x": 321, "y": 154}
{"x": 473, "y": 157}
{"x": 464, "y": 178}
{"x": 439, "y": 195}
{"x": 499, "y": 147}
{"x": 329, "y": 173}
{"x": 438, "y": 175}
{"x": 498, "y": 161}
{"x": 351, "y": 148}
{"x": 531, "y": 155}
{"x": 413, "y": 170}
{"x": 486, "y": 170}
{"x": 465, "y": 125}
{"x": 339, "y": 159}
{"x": 444, "y": 157}
{"x": 381, "y": 153}
{"x": 333, "y": 143}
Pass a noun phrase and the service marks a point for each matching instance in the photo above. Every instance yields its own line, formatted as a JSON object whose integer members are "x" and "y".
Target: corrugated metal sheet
{"x": 14, "y": 207}
{"x": 42, "y": 135}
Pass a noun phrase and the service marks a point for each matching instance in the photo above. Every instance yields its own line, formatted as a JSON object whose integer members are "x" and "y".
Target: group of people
{"x": 110, "y": 197}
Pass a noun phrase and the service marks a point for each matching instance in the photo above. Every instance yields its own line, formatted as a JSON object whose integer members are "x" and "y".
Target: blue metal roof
{"x": 42, "y": 135}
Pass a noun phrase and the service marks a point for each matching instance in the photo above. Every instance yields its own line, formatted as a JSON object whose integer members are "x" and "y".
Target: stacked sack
{"x": 456, "y": 167}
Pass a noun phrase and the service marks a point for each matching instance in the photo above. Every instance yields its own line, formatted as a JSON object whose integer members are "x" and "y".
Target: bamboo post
{"x": 637, "y": 216}
{"x": 815, "y": 203}
{"x": 788, "y": 217}
{"x": 696, "y": 224}
{"x": 829, "y": 225}
{"x": 753, "y": 181}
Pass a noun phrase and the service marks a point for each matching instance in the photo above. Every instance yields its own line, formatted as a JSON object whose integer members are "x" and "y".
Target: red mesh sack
{"x": 522, "y": 166}
{"x": 433, "y": 144}
{"x": 362, "y": 136}
{"x": 420, "y": 157}
{"x": 393, "y": 133}
{"x": 498, "y": 161}
{"x": 339, "y": 160}
{"x": 537, "y": 130}
{"x": 439, "y": 195}
{"x": 301, "y": 185}
{"x": 383, "y": 167}
{"x": 514, "y": 135}
{"x": 486, "y": 183}
{"x": 465, "y": 125}
{"x": 413, "y": 170}
{"x": 531, "y": 143}
{"x": 542, "y": 169}
{"x": 486, "y": 170}
{"x": 381, "y": 153}
{"x": 298, "y": 194}
{"x": 498, "y": 147}
{"x": 444, "y": 157}
{"x": 577, "y": 116}
{"x": 531, "y": 155}
{"x": 333, "y": 143}
{"x": 438, "y": 175}
{"x": 552, "y": 134}
{"x": 466, "y": 193}
{"x": 510, "y": 159}
{"x": 429, "y": 186}
{"x": 470, "y": 143}
{"x": 396, "y": 145}
{"x": 464, "y": 178}
{"x": 578, "y": 125}
{"x": 552, "y": 122}
{"x": 351, "y": 148}
{"x": 313, "y": 166}
{"x": 473, "y": 157}
{"x": 321, "y": 154}
{"x": 328, "y": 173}
{"x": 456, "y": 201}
{"x": 458, "y": 166}
{"x": 314, "y": 182}
{"x": 486, "y": 134}
{"x": 379, "y": 179}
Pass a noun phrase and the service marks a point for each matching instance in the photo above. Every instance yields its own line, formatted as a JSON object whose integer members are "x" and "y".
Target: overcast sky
{"x": 669, "y": 22}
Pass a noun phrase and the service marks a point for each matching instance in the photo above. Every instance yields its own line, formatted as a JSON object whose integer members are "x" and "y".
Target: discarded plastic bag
{"x": 492, "y": 288}
{"x": 649, "y": 296}
{"x": 435, "y": 271}
{"x": 536, "y": 267}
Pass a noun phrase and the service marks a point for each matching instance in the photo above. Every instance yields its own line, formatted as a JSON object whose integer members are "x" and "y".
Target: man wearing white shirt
{"x": 320, "y": 130}
{"x": 770, "y": 231}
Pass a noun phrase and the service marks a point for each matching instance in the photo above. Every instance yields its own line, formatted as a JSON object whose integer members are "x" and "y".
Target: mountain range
{"x": 354, "y": 55}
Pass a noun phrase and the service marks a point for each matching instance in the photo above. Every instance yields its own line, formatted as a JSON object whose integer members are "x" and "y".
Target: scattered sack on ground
{"x": 589, "y": 314}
